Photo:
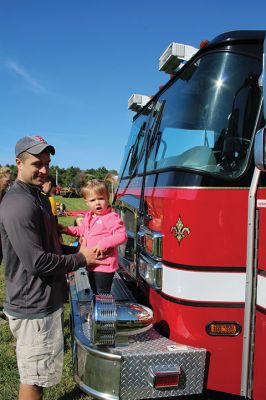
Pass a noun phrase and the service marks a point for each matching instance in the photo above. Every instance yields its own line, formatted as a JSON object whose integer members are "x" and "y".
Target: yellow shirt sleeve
{"x": 53, "y": 205}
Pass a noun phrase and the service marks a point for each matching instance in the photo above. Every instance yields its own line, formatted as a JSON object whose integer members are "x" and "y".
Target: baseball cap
{"x": 33, "y": 145}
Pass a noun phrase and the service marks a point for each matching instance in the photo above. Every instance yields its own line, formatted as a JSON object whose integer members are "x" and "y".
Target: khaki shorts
{"x": 40, "y": 348}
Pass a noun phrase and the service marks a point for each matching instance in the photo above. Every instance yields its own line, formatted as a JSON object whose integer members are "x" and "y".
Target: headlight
{"x": 150, "y": 271}
{"x": 151, "y": 242}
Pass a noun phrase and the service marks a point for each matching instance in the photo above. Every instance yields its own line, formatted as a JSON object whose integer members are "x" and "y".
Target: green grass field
{"x": 9, "y": 379}
{"x": 72, "y": 203}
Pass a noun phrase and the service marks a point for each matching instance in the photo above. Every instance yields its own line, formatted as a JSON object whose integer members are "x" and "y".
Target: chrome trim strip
{"x": 249, "y": 314}
{"x": 195, "y": 187}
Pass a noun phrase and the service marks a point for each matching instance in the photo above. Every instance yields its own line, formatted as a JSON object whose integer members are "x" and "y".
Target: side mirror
{"x": 260, "y": 138}
{"x": 260, "y": 149}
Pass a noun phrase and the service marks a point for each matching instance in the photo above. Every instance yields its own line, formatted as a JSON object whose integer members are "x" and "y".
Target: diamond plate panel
{"x": 134, "y": 380}
{"x": 150, "y": 350}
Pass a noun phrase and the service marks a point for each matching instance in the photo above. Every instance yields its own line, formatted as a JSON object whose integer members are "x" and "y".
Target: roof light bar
{"x": 137, "y": 101}
{"x": 174, "y": 55}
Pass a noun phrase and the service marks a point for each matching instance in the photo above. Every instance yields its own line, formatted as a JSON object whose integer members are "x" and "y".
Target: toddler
{"x": 103, "y": 231}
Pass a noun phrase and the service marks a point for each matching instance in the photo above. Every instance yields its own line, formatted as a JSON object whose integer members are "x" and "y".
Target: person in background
{"x": 5, "y": 182}
{"x": 62, "y": 208}
{"x": 35, "y": 269}
{"x": 103, "y": 231}
{"x": 48, "y": 189}
{"x": 78, "y": 221}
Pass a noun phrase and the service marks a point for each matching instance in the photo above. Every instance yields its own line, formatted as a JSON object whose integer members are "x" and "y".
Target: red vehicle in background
{"x": 57, "y": 190}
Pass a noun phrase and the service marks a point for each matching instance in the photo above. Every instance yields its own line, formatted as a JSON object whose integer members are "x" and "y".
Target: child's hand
{"x": 82, "y": 241}
{"x": 98, "y": 251}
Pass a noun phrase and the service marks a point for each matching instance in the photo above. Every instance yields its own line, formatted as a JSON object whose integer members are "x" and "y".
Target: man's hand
{"x": 61, "y": 228}
{"x": 91, "y": 256}
{"x": 98, "y": 251}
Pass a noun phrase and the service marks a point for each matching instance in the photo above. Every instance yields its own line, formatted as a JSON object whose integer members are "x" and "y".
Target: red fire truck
{"x": 193, "y": 201}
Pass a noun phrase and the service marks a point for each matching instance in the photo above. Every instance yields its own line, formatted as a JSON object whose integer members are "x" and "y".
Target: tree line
{"x": 74, "y": 176}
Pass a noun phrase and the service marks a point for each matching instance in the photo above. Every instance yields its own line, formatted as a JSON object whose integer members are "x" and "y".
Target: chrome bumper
{"x": 122, "y": 371}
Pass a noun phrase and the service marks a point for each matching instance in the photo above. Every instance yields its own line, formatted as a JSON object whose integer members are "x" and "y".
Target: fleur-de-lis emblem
{"x": 180, "y": 231}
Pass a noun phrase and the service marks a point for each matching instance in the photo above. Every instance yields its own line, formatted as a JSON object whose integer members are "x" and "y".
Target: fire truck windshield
{"x": 209, "y": 116}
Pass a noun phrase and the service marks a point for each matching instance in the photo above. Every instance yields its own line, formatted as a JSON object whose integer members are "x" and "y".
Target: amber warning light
{"x": 148, "y": 244}
{"x": 223, "y": 328}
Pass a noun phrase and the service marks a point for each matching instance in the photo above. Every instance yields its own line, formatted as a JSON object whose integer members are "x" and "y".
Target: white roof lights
{"x": 137, "y": 101}
{"x": 174, "y": 55}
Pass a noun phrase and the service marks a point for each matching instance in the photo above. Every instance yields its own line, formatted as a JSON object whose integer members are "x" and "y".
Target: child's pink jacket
{"x": 106, "y": 231}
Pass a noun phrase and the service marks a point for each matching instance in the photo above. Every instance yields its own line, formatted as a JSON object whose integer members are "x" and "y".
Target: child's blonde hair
{"x": 96, "y": 186}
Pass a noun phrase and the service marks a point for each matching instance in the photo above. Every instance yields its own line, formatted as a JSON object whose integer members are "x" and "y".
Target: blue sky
{"x": 67, "y": 68}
